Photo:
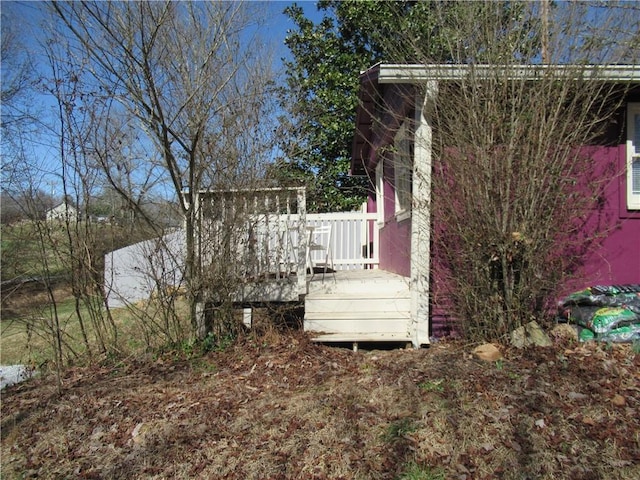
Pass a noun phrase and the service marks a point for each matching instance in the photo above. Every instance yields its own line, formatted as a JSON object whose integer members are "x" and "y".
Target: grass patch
{"x": 13, "y": 343}
{"x": 31, "y": 249}
{"x": 23, "y": 247}
{"x": 148, "y": 327}
{"x": 432, "y": 386}
{"x": 398, "y": 429}
{"x": 416, "y": 472}
{"x": 26, "y": 337}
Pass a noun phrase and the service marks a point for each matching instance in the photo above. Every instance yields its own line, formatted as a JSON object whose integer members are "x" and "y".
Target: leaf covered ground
{"x": 285, "y": 408}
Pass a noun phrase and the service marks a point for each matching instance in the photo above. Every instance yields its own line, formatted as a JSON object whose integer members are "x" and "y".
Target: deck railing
{"x": 354, "y": 243}
{"x": 263, "y": 235}
{"x": 245, "y": 236}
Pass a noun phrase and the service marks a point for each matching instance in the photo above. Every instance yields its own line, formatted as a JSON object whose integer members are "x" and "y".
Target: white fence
{"x": 244, "y": 237}
{"x": 133, "y": 273}
{"x": 266, "y": 232}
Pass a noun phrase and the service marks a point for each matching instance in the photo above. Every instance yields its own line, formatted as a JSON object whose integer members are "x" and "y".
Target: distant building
{"x": 62, "y": 212}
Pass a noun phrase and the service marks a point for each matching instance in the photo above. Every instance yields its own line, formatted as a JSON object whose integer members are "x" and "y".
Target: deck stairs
{"x": 359, "y": 306}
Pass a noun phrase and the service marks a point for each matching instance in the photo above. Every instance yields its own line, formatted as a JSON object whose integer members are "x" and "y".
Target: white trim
{"x": 420, "y": 219}
{"x": 633, "y": 156}
{"x": 419, "y": 73}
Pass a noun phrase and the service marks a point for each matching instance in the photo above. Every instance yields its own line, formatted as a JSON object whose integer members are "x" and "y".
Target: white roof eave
{"x": 418, "y": 73}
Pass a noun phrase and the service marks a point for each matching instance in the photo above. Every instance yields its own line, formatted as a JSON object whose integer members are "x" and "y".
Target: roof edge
{"x": 417, "y": 73}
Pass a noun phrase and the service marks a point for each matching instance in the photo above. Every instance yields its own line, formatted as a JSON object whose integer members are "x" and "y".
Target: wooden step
{"x": 371, "y": 289}
{"x": 361, "y": 337}
{"x": 364, "y": 306}
{"x": 335, "y": 324}
{"x": 362, "y": 293}
{"x": 366, "y": 315}
{"x": 373, "y": 282}
{"x": 357, "y": 304}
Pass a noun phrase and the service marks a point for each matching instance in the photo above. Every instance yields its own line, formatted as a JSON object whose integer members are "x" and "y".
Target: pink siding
{"x": 395, "y": 237}
{"x": 616, "y": 260}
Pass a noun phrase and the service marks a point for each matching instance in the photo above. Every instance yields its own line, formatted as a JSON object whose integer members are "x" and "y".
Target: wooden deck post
{"x": 302, "y": 242}
{"x": 247, "y": 316}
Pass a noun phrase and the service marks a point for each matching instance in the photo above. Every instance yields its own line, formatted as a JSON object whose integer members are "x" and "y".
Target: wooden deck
{"x": 359, "y": 306}
{"x": 261, "y": 238}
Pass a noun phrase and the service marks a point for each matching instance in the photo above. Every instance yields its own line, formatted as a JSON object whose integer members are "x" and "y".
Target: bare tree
{"x": 70, "y": 249}
{"x": 195, "y": 82}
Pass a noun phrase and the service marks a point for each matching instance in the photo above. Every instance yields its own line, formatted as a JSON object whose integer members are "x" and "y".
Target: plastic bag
{"x": 605, "y": 313}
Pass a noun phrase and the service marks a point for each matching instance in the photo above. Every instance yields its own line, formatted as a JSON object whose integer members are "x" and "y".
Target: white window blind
{"x": 380, "y": 191}
{"x": 633, "y": 156}
{"x": 403, "y": 163}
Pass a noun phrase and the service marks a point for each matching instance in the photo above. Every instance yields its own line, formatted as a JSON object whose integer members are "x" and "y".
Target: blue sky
{"x": 282, "y": 23}
{"x": 25, "y": 18}
{"x": 25, "y": 14}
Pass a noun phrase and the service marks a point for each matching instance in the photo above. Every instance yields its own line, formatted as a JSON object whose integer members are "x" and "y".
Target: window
{"x": 380, "y": 191}
{"x": 633, "y": 156}
{"x": 403, "y": 162}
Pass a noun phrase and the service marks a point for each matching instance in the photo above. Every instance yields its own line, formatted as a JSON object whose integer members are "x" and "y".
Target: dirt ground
{"x": 282, "y": 407}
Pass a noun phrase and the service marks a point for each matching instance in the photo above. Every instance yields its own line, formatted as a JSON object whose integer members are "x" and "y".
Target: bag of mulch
{"x": 607, "y": 313}
{"x": 580, "y": 315}
{"x": 586, "y": 335}
{"x": 602, "y": 320}
{"x": 625, "y": 334}
{"x": 607, "y": 319}
{"x": 627, "y": 296}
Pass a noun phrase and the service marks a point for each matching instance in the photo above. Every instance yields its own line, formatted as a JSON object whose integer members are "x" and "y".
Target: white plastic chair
{"x": 320, "y": 239}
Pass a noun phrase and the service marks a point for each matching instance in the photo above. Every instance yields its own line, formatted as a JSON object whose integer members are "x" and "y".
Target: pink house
{"x": 392, "y": 146}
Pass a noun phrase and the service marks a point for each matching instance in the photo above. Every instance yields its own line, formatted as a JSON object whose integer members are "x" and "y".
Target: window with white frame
{"x": 633, "y": 156}
{"x": 380, "y": 191}
{"x": 403, "y": 162}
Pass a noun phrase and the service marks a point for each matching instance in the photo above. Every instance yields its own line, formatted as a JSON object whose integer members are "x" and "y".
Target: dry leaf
{"x": 588, "y": 421}
{"x": 487, "y": 352}
{"x": 619, "y": 401}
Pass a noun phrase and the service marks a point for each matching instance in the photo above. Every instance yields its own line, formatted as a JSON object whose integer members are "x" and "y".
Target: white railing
{"x": 354, "y": 242}
{"x": 243, "y": 235}
{"x": 263, "y": 234}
